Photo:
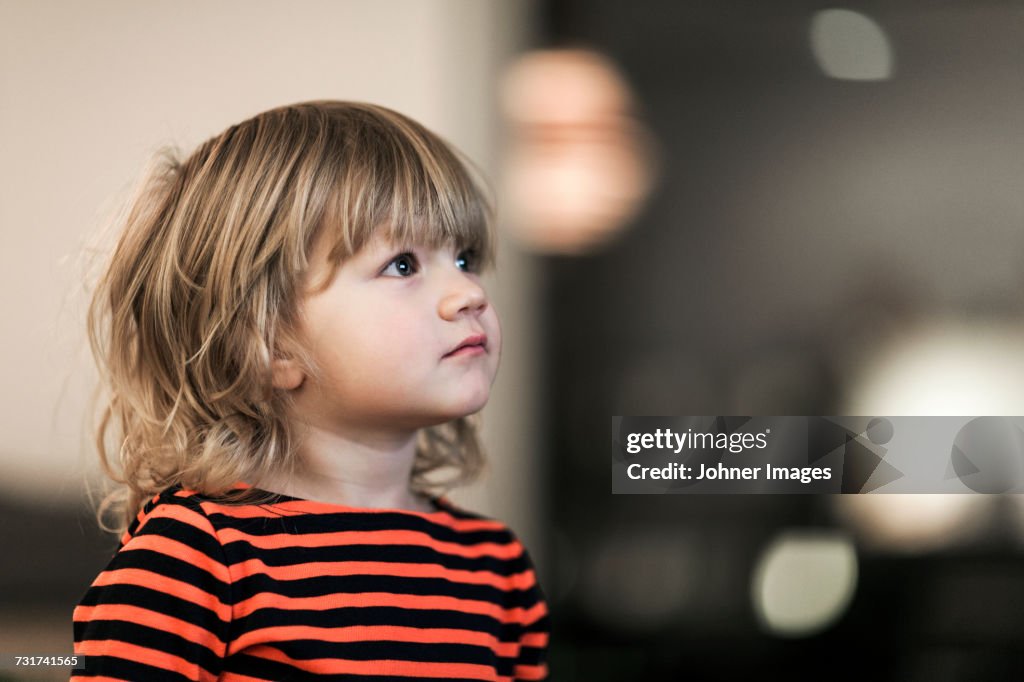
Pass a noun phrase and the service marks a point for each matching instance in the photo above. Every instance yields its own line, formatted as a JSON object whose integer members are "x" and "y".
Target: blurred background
{"x": 707, "y": 208}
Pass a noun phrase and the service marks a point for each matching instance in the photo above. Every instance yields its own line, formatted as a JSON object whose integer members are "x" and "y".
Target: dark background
{"x": 799, "y": 222}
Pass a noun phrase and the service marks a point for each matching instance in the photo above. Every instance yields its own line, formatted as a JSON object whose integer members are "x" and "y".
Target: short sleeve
{"x": 161, "y": 609}
{"x": 533, "y": 642}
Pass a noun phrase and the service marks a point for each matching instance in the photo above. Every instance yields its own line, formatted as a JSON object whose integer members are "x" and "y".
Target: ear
{"x": 287, "y": 374}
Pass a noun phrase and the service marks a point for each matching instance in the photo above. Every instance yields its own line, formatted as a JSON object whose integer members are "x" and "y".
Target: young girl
{"x": 294, "y": 335}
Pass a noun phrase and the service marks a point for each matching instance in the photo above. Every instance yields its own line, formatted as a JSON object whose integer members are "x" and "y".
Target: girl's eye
{"x": 402, "y": 265}
{"x": 467, "y": 261}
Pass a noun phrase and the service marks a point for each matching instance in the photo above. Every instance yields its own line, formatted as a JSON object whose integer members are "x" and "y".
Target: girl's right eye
{"x": 402, "y": 265}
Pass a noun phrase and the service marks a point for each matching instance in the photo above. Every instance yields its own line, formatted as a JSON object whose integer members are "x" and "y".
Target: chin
{"x": 442, "y": 414}
{"x": 466, "y": 407}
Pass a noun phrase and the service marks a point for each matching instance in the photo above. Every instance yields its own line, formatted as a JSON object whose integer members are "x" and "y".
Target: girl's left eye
{"x": 402, "y": 265}
{"x": 467, "y": 261}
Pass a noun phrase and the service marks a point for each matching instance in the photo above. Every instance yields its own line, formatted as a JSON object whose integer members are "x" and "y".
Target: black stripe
{"x": 157, "y": 640}
{"x": 122, "y": 669}
{"x": 454, "y": 511}
{"x": 317, "y": 524}
{"x": 381, "y": 615}
{"x": 160, "y": 602}
{"x": 185, "y": 533}
{"x": 531, "y": 655}
{"x": 239, "y": 551}
{"x": 262, "y": 668}
{"x": 389, "y": 650}
{"x": 172, "y": 567}
{"x": 355, "y": 584}
{"x": 413, "y": 652}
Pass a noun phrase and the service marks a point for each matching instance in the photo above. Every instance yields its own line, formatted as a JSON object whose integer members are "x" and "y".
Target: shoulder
{"x": 491, "y": 534}
{"x": 463, "y": 520}
{"x": 501, "y": 552}
{"x": 171, "y": 518}
{"x": 171, "y": 548}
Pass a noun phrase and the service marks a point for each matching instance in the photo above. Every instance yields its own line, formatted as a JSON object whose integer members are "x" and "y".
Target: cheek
{"x": 372, "y": 342}
{"x": 396, "y": 335}
{"x": 492, "y": 327}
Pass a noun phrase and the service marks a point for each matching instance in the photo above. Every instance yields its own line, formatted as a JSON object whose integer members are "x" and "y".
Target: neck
{"x": 367, "y": 469}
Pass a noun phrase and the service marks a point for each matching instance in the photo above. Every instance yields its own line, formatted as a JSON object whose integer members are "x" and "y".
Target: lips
{"x": 476, "y": 343}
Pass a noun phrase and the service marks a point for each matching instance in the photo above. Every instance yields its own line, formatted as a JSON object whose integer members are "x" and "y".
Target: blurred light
{"x": 638, "y": 581}
{"x": 944, "y": 367}
{"x": 911, "y": 524}
{"x": 947, "y": 367}
{"x": 579, "y": 163}
{"x": 803, "y": 582}
{"x": 850, "y": 46}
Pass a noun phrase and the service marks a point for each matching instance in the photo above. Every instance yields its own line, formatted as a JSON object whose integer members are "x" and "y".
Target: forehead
{"x": 378, "y": 243}
{"x": 336, "y": 248}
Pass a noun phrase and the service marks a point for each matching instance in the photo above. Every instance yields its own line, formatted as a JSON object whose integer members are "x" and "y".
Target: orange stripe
{"x": 534, "y": 639}
{"x": 531, "y": 672}
{"x": 397, "y": 569}
{"x": 252, "y": 511}
{"x": 333, "y": 666}
{"x": 405, "y": 601}
{"x": 524, "y": 580}
{"x": 232, "y": 677}
{"x": 153, "y": 619}
{"x": 543, "y": 611}
{"x": 144, "y": 655}
{"x": 140, "y": 515}
{"x": 511, "y": 550}
{"x": 179, "y": 550}
{"x": 374, "y": 633}
{"x": 161, "y": 583}
{"x": 185, "y": 515}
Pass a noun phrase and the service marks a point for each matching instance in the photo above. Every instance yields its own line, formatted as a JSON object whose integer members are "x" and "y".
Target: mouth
{"x": 471, "y": 345}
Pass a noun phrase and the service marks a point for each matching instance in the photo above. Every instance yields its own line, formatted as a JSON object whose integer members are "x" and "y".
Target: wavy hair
{"x": 203, "y": 286}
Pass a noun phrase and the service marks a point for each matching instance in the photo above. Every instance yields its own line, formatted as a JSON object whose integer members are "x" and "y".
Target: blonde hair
{"x": 203, "y": 286}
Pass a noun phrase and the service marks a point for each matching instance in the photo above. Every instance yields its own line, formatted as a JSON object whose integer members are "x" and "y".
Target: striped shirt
{"x": 300, "y": 589}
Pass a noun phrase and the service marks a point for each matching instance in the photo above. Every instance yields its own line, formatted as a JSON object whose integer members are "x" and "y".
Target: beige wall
{"x": 89, "y": 90}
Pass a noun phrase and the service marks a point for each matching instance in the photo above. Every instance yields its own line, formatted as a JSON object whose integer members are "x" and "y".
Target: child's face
{"x": 405, "y": 337}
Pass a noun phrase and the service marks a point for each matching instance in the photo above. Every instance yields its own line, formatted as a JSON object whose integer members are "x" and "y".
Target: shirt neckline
{"x": 440, "y": 504}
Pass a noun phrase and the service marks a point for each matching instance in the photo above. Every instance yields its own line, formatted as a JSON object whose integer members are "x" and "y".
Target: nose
{"x": 463, "y": 295}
